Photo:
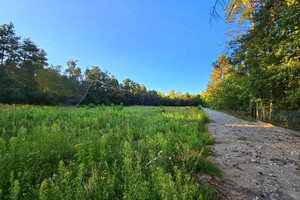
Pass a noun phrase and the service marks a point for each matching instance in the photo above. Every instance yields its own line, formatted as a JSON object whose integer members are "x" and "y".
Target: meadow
{"x": 103, "y": 152}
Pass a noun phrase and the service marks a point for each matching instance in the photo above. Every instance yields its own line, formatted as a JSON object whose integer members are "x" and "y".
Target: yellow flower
{"x": 77, "y": 145}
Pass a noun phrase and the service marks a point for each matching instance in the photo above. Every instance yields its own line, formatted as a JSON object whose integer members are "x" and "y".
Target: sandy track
{"x": 260, "y": 161}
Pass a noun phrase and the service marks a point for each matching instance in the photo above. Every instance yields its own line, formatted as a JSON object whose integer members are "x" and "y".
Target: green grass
{"x": 103, "y": 153}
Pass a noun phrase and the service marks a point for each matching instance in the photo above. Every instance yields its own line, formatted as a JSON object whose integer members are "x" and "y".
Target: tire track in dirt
{"x": 260, "y": 161}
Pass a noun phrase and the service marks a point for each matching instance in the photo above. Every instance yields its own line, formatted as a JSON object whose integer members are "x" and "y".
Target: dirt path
{"x": 260, "y": 161}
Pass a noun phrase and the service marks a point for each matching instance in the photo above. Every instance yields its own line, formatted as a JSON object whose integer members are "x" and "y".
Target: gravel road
{"x": 260, "y": 161}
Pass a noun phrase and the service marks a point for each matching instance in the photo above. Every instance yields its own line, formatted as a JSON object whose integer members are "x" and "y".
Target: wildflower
{"x": 77, "y": 145}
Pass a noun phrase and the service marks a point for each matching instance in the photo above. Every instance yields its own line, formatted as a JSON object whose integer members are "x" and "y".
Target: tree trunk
{"x": 271, "y": 110}
{"x": 257, "y": 117}
{"x": 251, "y": 108}
{"x": 252, "y": 13}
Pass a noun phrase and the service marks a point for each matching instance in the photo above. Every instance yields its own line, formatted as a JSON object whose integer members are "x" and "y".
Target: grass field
{"x": 103, "y": 153}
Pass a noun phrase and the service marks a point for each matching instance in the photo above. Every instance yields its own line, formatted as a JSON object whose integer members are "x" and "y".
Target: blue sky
{"x": 163, "y": 44}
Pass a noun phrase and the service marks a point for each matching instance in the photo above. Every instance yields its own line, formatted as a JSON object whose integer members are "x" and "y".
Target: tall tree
{"x": 9, "y": 44}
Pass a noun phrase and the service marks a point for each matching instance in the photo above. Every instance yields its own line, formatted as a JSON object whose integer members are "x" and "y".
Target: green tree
{"x": 9, "y": 44}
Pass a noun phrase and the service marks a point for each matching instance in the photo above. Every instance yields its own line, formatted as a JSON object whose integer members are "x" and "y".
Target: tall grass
{"x": 98, "y": 153}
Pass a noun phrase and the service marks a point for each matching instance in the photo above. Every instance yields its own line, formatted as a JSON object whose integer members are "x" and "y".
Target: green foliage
{"x": 264, "y": 66}
{"x": 25, "y": 77}
{"x": 121, "y": 152}
{"x": 90, "y": 105}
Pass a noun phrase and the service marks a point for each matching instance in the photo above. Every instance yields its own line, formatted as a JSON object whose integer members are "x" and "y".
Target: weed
{"x": 116, "y": 153}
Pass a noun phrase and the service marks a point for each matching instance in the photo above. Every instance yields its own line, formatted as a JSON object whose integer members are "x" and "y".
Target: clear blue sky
{"x": 163, "y": 44}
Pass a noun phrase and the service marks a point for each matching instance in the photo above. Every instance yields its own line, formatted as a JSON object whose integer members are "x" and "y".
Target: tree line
{"x": 27, "y": 78}
{"x": 260, "y": 68}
